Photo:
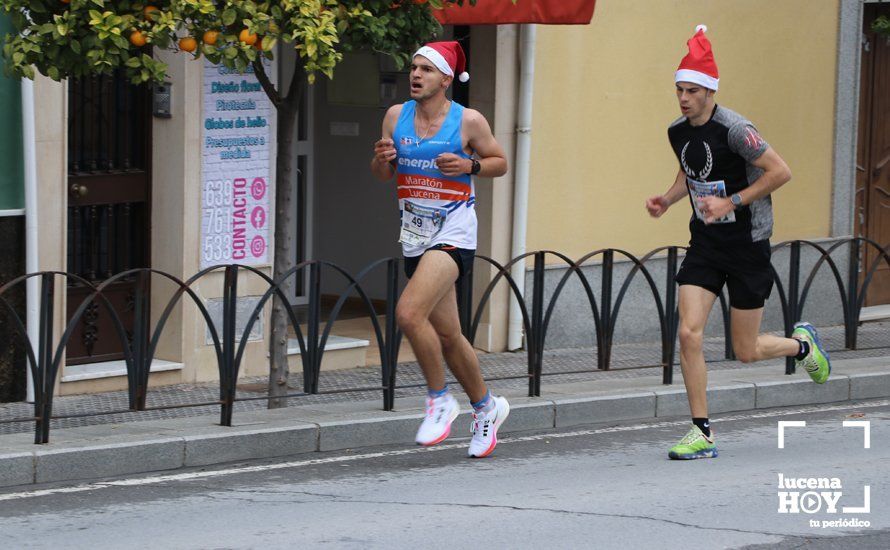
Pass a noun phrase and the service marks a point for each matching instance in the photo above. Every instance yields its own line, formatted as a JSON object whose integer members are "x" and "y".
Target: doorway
{"x": 109, "y": 191}
{"x": 873, "y": 150}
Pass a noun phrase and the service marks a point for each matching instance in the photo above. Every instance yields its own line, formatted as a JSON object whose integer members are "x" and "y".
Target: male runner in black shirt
{"x": 728, "y": 171}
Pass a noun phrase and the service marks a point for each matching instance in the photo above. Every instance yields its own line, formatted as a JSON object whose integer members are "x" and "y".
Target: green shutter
{"x": 12, "y": 188}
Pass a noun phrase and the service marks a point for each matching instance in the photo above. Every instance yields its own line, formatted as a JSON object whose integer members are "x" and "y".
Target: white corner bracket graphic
{"x": 866, "y": 503}
{"x": 866, "y": 430}
{"x": 788, "y": 424}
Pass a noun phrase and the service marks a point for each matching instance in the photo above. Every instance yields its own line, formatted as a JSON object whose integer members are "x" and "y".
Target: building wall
{"x": 12, "y": 227}
{"x": 176, "y": 228}
{"x": 176, "y": 235}
{"x": 604, "y": 97}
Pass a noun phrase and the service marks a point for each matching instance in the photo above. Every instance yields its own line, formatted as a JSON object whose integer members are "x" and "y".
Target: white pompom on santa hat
{"x": 699, "y": 66}
{"x": 448, "y": 57}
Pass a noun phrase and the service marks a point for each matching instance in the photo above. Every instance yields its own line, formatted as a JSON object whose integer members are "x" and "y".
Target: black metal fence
{"x": 45, "y": 356}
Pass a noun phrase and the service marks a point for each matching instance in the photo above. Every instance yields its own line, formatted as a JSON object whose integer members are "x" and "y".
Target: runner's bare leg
{"x": 695, "y": 305}
{"x": 435, "y": 275}
{"x": 459, "y": 353}
{"x": 749, "y": 345}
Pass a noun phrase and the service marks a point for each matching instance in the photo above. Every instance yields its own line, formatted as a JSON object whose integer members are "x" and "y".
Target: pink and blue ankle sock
{"x": 483, "y": 405}
{"x": 433, "y": 394}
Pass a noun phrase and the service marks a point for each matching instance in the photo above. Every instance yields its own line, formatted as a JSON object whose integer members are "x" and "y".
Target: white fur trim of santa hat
{"x": 448, "y": 57}
{"x": 437, "y": 59}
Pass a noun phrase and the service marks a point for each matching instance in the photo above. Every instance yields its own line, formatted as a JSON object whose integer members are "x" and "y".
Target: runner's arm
{"x": 678, "y": 189}
{"x": 775, "y": 174}
{"x": 491, "y": 155}
{"x": 659, "y": 204}
{"x": 382, "y": 164}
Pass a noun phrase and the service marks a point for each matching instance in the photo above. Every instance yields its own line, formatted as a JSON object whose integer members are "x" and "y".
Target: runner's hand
{"x": 714, "y": 208}
{"x": 384, "y": 151}
{"x": 452, "y": 165}
{"x": 657, "y": 205}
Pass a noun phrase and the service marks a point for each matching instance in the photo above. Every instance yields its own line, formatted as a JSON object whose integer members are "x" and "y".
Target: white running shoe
{"x": 440, "y": 413}
{"x": 485, "y": 428}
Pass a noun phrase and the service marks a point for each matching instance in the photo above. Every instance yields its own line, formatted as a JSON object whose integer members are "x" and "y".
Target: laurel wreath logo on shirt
{"x": 709, "y": 163}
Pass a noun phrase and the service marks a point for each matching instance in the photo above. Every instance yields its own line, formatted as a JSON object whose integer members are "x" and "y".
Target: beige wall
{"x": 176, "y": 231}
{"x": 50, "y": 113}
{"x": 176, "y": 227}
{"x": 604, "y": 98}
{"x": 494, "y": 93}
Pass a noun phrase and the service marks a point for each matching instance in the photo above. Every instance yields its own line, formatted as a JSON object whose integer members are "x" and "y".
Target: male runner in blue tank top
{"x": 728, "y": 171}
{"x": 433, "y": 146}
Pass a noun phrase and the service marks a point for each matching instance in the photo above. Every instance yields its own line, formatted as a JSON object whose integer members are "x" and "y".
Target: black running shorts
{"x": 463, "y": 257}
{"x": 744, "y": 268}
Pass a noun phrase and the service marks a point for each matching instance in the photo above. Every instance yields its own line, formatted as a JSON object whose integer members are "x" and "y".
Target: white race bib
{"x": 700, "y": 189}
{"x": 420, "y": 223}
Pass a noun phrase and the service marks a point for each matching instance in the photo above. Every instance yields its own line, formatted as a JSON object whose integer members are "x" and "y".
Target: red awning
{"x": 495, "y": 12}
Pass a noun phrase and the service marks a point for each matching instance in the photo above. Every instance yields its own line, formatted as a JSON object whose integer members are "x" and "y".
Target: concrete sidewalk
{"x": 106, "y": 450}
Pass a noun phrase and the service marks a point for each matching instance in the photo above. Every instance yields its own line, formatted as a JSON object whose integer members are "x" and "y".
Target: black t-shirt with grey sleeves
{"x": 716, "y": 158}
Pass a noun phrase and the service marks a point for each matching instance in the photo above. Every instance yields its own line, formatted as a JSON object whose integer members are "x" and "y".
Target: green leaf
{"x": 53, "y": 73}
{"x": 229, "y": 16}
{"x": 269, "y": 42}
{"x": 133, "y": 62}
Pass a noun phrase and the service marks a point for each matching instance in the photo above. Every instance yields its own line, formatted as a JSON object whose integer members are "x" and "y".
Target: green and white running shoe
{"x": 694, "y": 445}
{"x": 816, "y": 363}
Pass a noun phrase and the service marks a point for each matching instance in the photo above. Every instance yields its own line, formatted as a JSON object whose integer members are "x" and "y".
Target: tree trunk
{"x": 287, "y": 110}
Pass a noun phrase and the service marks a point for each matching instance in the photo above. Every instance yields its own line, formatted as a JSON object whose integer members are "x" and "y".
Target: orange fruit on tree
{"x": 149, "y": 12}
{"x": 246, "y": 37}
{"x": 188, "y": 44}
{"x": 137, "y": 38}
{"x": 66, "y": 1}
{"x": 210, "y": 37}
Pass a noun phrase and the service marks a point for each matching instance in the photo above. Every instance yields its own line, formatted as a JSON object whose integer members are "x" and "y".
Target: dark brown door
{"x": 873, "y": 151}
{"x": 109, "y": 187}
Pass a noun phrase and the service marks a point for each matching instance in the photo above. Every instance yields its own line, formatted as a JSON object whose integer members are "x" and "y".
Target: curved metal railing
{"x": 537, "y": 309}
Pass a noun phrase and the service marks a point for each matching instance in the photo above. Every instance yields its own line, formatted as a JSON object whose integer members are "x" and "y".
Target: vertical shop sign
{"x": 237, "y": 142}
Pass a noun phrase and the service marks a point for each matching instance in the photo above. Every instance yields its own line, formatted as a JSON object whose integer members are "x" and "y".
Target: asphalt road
{"x": 597, "y": 487}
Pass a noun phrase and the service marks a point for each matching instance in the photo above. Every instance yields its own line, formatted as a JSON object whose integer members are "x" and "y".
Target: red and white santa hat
{"x": 699, "y": 66}
{"x": 448, "y": 57}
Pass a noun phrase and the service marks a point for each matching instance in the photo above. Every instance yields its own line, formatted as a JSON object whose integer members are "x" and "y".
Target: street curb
{"x": 116, "y": 459}
{"x": 16, "y": 469}
{"x": 206, "y": 450}
{"x": 99, "y": 452}
{"x": 869, "y": 385}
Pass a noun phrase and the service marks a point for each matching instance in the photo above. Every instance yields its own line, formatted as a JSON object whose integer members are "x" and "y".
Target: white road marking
{"x": 132, "y": 482}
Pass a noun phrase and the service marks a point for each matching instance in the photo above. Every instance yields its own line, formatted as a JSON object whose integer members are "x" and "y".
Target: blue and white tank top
{"x": 434, "y": 209}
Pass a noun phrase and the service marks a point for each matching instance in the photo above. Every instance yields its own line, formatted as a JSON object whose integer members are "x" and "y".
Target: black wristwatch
{"x": 476, "y": 167}
{"x": 736, "y": 200}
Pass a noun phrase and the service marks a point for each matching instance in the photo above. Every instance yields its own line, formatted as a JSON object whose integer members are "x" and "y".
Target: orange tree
{"x": 73, "y": 38}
